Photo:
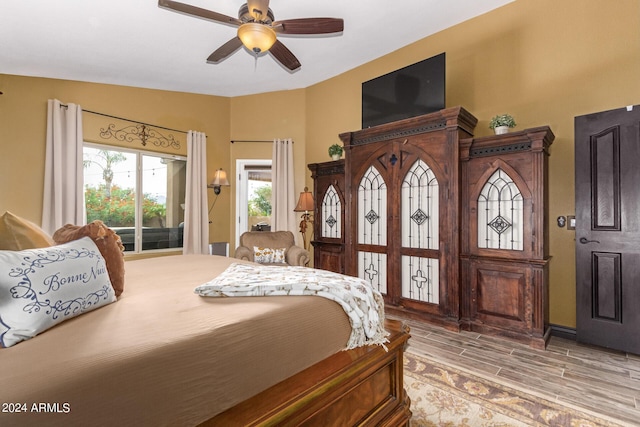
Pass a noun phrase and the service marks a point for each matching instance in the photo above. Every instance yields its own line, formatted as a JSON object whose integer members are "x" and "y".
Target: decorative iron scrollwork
{"x": 142, "y": 133}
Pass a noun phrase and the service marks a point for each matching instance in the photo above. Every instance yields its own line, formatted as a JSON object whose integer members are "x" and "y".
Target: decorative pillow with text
{"x": 40, "y": 288}
{"x": 269, "y": 255}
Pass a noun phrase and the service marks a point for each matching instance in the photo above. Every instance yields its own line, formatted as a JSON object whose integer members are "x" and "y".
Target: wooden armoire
{"x": 404, "y": 249}
{"x": 402, "y": 211}
{"x": 504, "y": 234}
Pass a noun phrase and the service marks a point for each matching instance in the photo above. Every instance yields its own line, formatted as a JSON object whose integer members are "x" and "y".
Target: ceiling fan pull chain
{"x": 255, "y": 64}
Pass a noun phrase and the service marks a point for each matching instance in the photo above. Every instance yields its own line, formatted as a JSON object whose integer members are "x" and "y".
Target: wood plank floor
{"x": 595, "y": 379}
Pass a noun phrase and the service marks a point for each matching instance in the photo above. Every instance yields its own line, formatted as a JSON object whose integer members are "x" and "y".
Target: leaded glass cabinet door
{"x": 372, "y": 228}
{"x": 329, "y": 221}
{"x": 500, "y": 214}
{"x": 331, "y": 214}
{"x": 420, "y": 222}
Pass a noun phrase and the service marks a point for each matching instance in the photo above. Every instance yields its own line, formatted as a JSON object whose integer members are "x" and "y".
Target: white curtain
{"x": 63, "y": 201}
{"x": 283, "y": 194}
{"x": 196, "y": 219}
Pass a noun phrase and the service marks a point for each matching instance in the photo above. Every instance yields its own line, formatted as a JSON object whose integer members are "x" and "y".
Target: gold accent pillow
{"x": 17, "y": 234}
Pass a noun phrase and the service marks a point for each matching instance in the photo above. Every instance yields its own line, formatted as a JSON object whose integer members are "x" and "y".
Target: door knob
{"x": 584, "y": 241}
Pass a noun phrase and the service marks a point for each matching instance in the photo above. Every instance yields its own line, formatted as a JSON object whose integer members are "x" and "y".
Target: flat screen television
{"x": 408, "y": 92}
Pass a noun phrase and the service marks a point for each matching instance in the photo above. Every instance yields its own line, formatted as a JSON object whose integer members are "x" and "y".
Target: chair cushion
{"x": 267, "y": 239}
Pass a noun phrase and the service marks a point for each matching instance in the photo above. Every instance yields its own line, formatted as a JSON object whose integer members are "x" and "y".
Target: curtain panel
{"x": 196, "y": 218}
{"x": 283, "y": 193}
{"x": 63, "y": 200}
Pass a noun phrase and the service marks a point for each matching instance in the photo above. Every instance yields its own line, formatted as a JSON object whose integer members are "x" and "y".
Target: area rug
{"x": 444, "y": 396}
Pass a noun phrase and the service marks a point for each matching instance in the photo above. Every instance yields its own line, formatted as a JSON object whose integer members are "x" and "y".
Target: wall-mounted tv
{"x": 408, "y": 92}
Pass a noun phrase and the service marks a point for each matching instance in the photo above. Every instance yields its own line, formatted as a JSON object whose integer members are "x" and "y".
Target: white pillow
{"x": 269, "y": 255}
{"x": 40, "y": 288}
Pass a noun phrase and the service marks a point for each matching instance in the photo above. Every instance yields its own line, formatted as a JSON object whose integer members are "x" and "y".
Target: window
{"x": 139, "y": 194}
{"x": 253, "y": 198}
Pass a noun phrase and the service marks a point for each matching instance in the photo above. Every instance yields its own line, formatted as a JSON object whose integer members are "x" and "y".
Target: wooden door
{"x": 607, "y": 156}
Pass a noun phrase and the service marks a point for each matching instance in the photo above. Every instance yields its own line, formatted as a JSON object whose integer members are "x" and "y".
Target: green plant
{"x": 502, "y": 120}
{"x": 260, "y": 204}
{"x": 335, "y": 150}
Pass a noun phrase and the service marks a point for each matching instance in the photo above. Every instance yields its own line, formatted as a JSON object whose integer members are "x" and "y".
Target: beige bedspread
{"x": 162, "y": 355}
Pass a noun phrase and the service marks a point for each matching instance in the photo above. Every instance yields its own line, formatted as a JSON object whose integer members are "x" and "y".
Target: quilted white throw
{"x": 363, "y": 304}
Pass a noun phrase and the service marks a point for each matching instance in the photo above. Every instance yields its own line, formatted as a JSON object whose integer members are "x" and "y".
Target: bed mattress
{"x": 162, "y": 355}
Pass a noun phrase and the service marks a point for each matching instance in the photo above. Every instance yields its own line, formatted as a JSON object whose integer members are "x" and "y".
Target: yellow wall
{"x": 23, "y": 113}
{"x": 265, "y": 117}
{"x": 543, "y": 61}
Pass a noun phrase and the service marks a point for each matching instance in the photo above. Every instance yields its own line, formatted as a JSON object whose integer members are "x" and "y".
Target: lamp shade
{"x": 220, "y": 178}
{"x": 305, "y": 202}
{"x": 256, "y": 37}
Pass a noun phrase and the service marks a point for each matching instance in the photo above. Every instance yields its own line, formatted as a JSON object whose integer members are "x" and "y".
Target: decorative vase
{"x": 499, "y": 130}
{"x": 335, "y": 156}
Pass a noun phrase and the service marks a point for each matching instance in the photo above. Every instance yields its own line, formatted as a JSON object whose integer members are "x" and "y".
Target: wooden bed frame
{"x": 359, "y": 387}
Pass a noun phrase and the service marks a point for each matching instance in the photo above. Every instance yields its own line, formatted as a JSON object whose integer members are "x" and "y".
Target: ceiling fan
{"x": 257, "y": 29}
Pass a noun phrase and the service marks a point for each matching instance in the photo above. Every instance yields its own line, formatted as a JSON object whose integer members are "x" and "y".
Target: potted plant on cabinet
{"x": 335, "y": 151}
{"x": 501, "y": 123}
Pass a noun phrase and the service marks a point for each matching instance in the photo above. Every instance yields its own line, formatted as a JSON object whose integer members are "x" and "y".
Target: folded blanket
{"x": 363, "y": 304}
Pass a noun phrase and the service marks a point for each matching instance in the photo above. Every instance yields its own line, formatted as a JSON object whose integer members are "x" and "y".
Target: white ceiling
{"x": 136, "y": 43}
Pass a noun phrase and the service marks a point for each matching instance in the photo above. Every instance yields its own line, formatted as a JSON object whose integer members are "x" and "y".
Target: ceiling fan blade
{"x": 284, "y": 56}
{"x": 309, "y": 26}
{"x": 258, "y": 8}
{"x": 198, "y": 12}
{"x": 225, "y": 50}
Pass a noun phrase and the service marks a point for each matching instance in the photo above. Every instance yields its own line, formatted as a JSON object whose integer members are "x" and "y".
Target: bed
{"x": 162, "y": 355}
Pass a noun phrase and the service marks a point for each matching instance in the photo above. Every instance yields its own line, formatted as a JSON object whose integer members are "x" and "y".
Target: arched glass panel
{"x": 500, "y": 214}
{"x": 420, "y": 209}
{"x": 420, "y": 230}
{"x": 372, "y": 228}
{"x": 372, "y": 209}
{"x": 331, "y": 218}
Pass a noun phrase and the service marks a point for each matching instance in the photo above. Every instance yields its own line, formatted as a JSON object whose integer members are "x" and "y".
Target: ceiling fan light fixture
{"x": 256, "y": 37}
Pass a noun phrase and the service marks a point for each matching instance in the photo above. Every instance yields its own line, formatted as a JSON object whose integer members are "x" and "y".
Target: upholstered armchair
{"x": 273, "y": 242}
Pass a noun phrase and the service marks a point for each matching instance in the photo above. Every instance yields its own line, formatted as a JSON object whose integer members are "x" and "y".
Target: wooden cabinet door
{"x": 328, "y": 222}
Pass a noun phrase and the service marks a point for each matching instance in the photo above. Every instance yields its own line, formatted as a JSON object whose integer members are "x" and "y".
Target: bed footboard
{"x": 360, "y": 387}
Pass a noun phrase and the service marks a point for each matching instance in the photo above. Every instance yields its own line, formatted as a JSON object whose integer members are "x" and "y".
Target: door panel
{"x": 607, "y": 155}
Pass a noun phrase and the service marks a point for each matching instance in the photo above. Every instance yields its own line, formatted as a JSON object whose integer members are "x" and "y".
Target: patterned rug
{"x": 443, "y": 396}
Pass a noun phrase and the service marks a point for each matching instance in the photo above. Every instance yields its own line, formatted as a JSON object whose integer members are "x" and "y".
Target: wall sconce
{"x": 219, "y": 180}
{"x": 305, "y": 204}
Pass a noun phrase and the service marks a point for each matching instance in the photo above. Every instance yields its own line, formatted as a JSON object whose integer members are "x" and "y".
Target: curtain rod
{"x": 127, "y": 120}
{"x": 253, "y": 140}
